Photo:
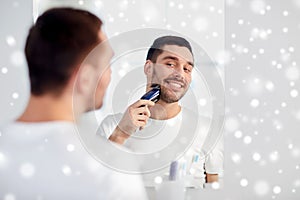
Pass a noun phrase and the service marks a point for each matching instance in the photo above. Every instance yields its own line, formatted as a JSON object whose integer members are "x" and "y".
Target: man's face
{"x": 172, "y": 70}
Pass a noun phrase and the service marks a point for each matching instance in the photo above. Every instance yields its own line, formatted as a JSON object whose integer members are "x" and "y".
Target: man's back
{"x": 47, "y": 161}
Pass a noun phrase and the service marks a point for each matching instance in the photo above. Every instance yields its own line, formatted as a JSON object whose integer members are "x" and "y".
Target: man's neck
{"x": 48, "y": 108}
{"x": 164, "y": 111}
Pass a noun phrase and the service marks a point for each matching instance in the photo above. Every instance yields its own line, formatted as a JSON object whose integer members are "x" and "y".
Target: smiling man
{"x": 148, "y": 128}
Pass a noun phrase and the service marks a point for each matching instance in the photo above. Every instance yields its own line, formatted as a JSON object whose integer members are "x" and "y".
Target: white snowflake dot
{"x": 238, "y": 134}
{"x": 261, "y": 51}
{"x": 158, "y": 180}
{"x": 269, "y": 31}
{"x": 236, "y": 158}
{"x": 247, "y": 139}
{"x": 121, "y": 14}
{"x": 274, "y": 156}
{"x": 70, "y": 147}
{"x": 269, "y": 86}
{"x": 276, "y": 112}
{"x": 66, "y": 170}
{"x": 276, "y": 190}
{"x": 27, "y": 170}
{"x": 256, "y": 157}
{"x": 291, "y": 49}
{"x": 244, "y": 182}
{"x": 279, "y": 66}
{"x": 283, "y": 104}
{"x": 202, "y": 102}
{"x": 262, "y": 12}
{"x": 215, "y": 34}
{"x": 4, "y": 70}
{"x": 254, "y": 103}
{"x": 15, "y": 95}
{"x": 215, "y": 185}
{"x": 292, "y": 83}
{"x": 294, "y": 93}
{"x": 240, "y": 22}
{"x": 180, "y": 6}
{"x": 10, "y": 40}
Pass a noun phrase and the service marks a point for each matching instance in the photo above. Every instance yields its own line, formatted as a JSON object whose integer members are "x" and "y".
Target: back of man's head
{"x": 156, "y": 48}
{"x": 56, "y": 45}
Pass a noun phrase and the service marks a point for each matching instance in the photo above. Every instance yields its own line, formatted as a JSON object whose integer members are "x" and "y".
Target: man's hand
{"x": 136, "y": 116}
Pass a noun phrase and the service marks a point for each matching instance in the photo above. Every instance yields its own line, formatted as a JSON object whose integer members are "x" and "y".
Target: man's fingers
{"x": 141, "y": 123}
{"x": 142, "y": 118}
{"x": 143, "y": 111}
{"x": 141, "y": 102}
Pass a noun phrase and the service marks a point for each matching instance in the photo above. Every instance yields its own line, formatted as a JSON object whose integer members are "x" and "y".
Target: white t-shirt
{"x": 47, "y": 161}
{"x": 158, "y": 135}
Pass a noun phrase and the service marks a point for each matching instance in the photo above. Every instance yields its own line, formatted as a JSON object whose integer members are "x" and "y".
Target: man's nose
{"x": 179, "y": 70}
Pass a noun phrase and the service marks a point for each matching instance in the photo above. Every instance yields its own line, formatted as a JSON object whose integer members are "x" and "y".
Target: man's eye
{"x": 171, "y": 64}
{"x": 187, "y": 69}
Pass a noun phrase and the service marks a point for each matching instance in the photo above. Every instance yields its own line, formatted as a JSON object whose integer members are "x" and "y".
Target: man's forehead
{"x": 179, "y": 51}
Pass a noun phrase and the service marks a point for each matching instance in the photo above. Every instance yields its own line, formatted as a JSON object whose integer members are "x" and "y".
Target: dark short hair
{"x": 56, "y": 45}
{"x": 156, "y": 48}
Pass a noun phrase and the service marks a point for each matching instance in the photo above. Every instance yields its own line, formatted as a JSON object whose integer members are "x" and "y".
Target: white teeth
{"x": 176, "y": 85}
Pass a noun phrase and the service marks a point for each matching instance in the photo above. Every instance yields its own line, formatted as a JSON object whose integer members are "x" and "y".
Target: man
{"x": 151, "y": 128}
{"x": 41, "y": 154}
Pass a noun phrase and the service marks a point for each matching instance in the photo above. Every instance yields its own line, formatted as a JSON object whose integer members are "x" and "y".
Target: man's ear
{"x": 85, "y": 79}
{"x": 148, "y": 68}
